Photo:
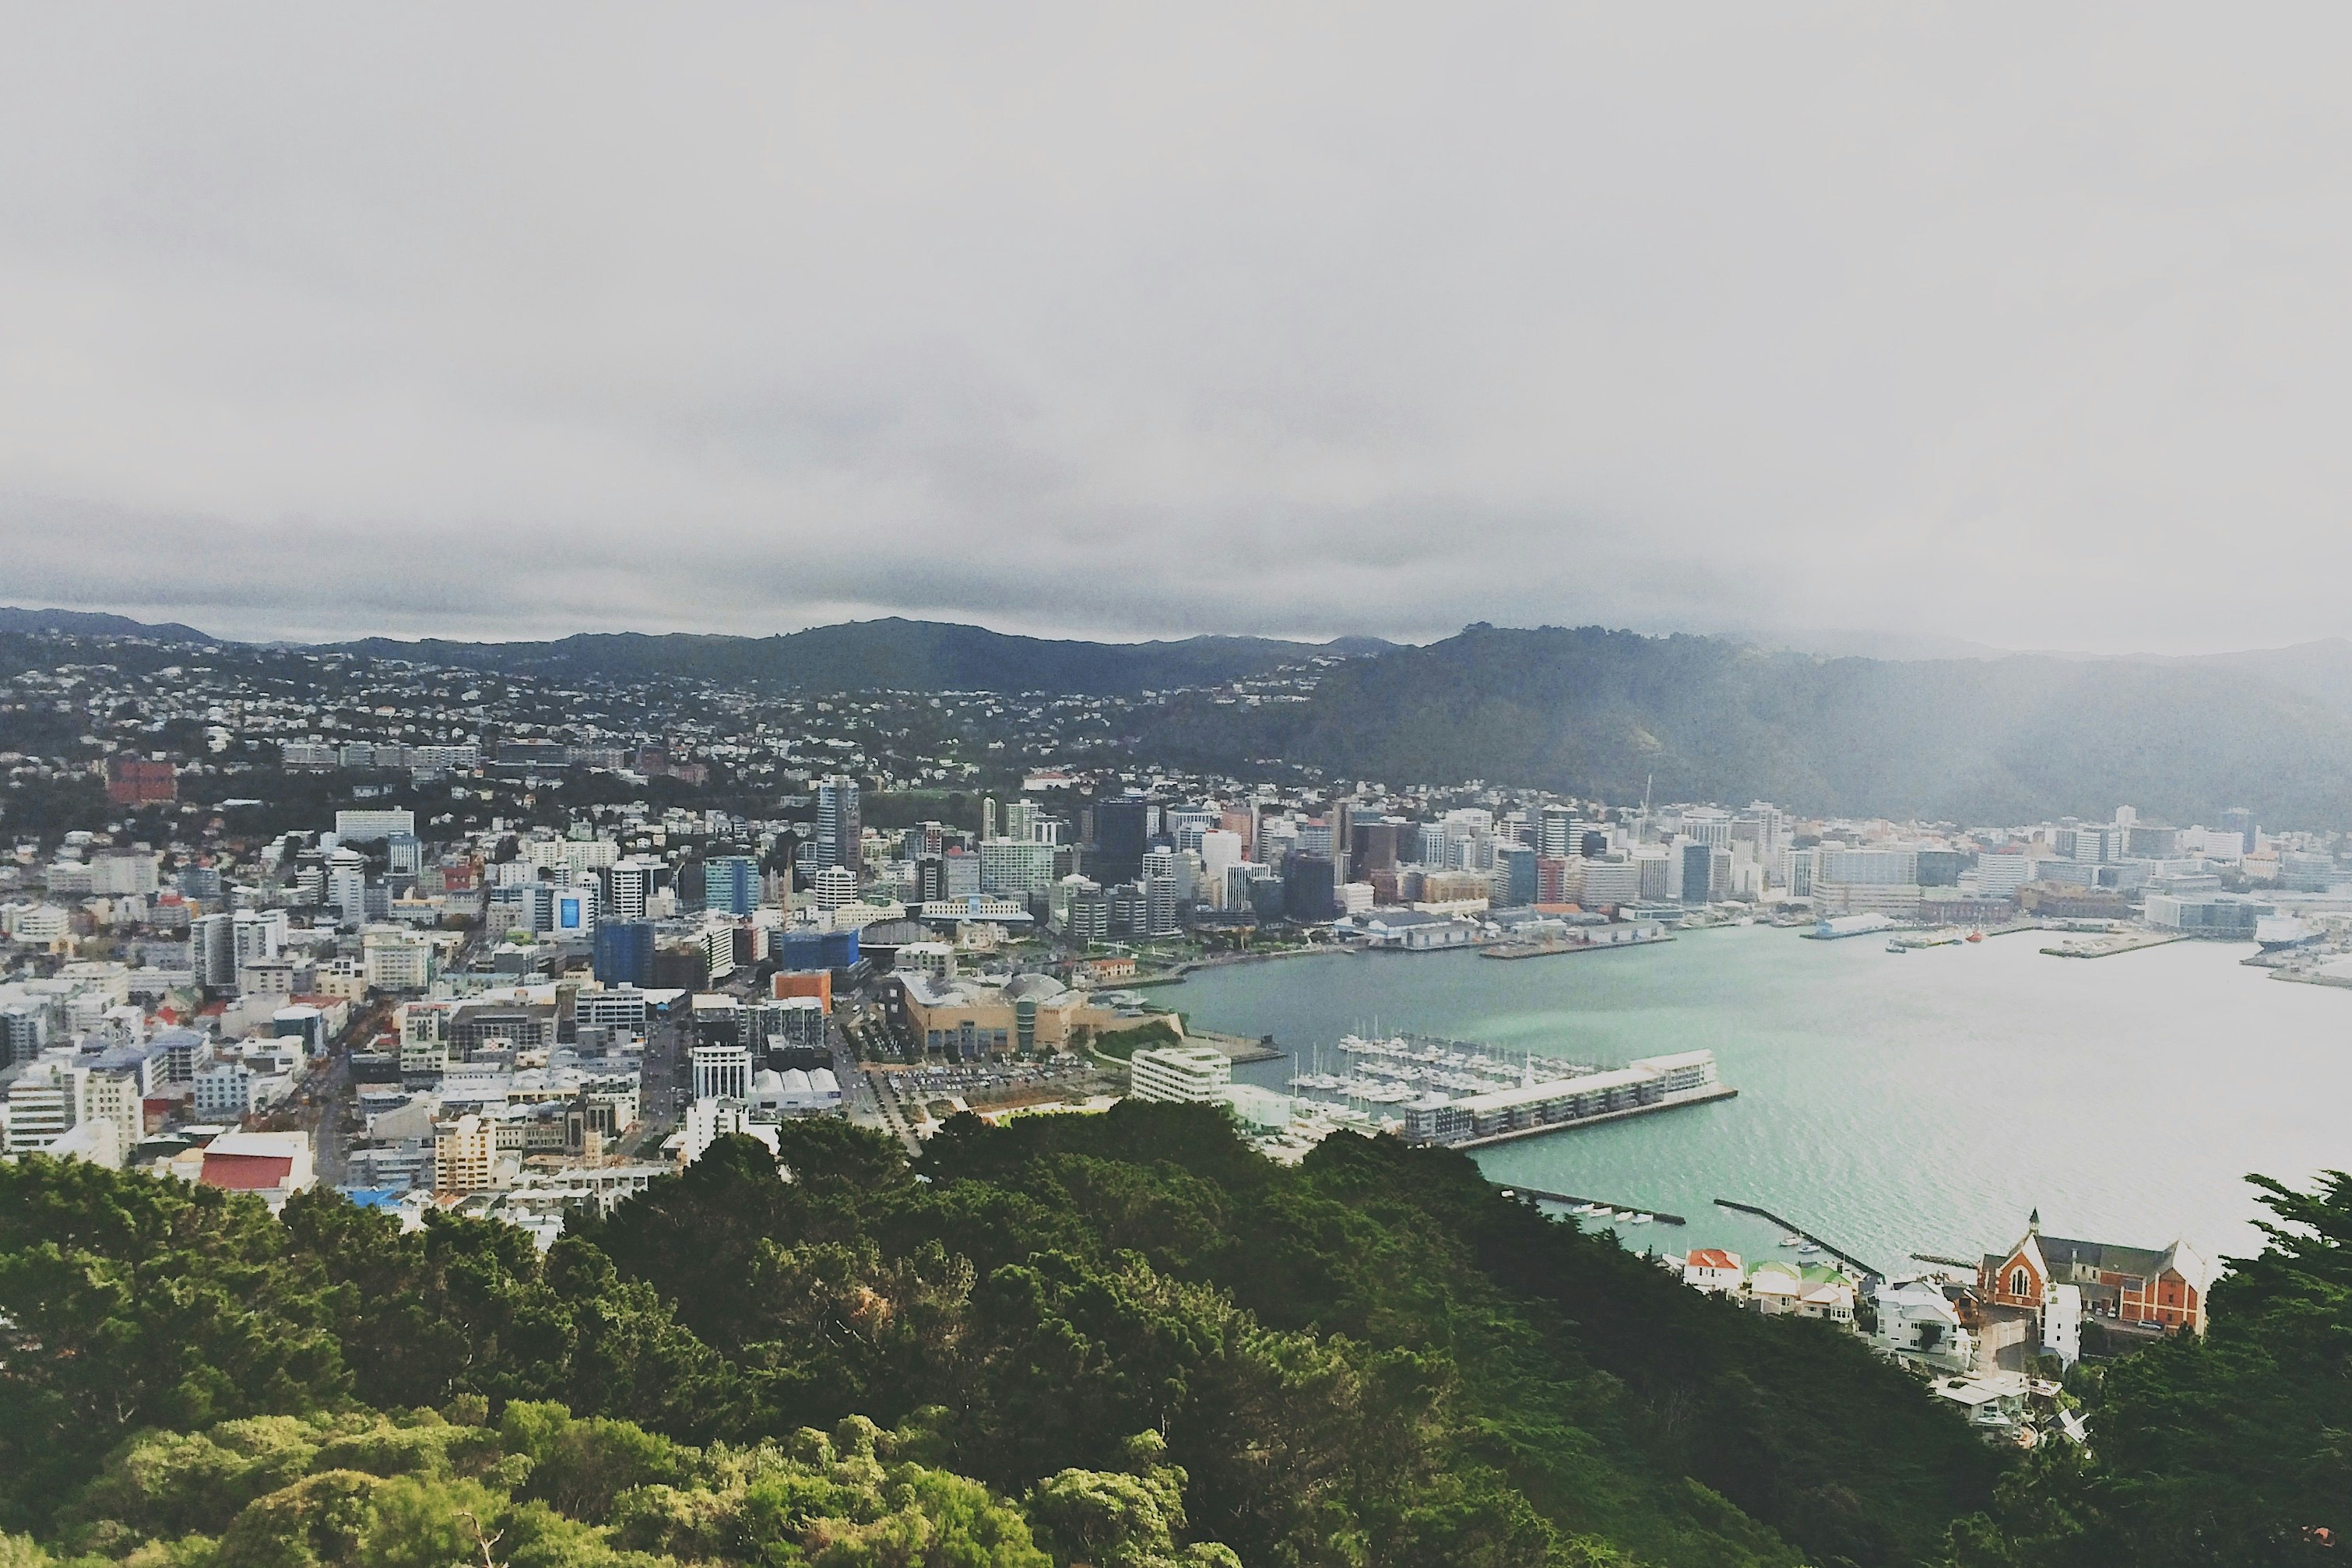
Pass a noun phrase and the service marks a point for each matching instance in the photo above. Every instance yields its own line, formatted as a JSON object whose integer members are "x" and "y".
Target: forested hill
{"x": 1124, "y": 1340}
{"x": 1602, "y": 714}
{"x": 891, "y": 654}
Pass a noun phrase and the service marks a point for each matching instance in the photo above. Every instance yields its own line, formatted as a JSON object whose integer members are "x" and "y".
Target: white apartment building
{"x": 396, "y": 960}
{"x": 722, "y": 1072}
{"x": 224, "y": 1091}
{"x": 1188, "y": 1073}
{"x": 368, "y": 826}
{"x": 42, "y": 1107}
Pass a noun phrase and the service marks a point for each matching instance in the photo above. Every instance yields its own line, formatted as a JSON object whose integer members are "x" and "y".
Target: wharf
{"x": 1239, "y": 1050}
{"x": 2110, "y": 945}
{"x": 1541, "y": 1195}
{"x": 1546, "y": 948}
{"x": 1793, "y": 1228}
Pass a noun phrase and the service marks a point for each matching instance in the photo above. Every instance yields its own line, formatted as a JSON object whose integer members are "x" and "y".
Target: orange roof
{"x": 1709, "y": 1257}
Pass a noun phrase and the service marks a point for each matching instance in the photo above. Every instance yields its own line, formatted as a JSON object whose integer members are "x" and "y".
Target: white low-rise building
{"x": 1194, "y": 1073}
{"x": 1919, "y": 1323}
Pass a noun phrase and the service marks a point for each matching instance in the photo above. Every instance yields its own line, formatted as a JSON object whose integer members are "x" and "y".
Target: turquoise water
{"x": 1891, "y": 1104}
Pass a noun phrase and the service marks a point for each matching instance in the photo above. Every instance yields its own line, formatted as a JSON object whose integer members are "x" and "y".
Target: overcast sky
{"x": 503, "y": 321}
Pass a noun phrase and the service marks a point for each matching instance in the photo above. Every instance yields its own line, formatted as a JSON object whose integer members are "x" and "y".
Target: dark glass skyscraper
{"x": 1122, "y": 829}
{"x": 1309, "y": 894}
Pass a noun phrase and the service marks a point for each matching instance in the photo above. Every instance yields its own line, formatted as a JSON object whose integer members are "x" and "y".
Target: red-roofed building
{"x": 1712, "y": 1270}
{"x": 134, "y": 780}
{"x": 275, "y": 1165}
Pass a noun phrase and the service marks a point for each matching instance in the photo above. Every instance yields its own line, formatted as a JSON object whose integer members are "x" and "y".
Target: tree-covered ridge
{"x": 1373, "y": 1358}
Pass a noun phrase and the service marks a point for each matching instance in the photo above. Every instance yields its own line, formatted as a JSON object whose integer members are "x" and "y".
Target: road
{"x": 662, "y": 1079}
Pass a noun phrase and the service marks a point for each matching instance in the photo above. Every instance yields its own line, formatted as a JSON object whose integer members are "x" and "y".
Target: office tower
{"x": 839, "y": 828}
{"x": 731, "y": 884}
{"x": 1517, "y": 864}
{"x": 1221, "y": 850}
{"x": 405, "y": 854}
{"x": 2238, "y": 819}
{"x": 1121, "y": 834}
{"x": 1375, "y": 847}
{"x": 1696, "y": 863}
{"x": 1308, "y": 892}
{"x": 1558, "y": 835}
{"x": 1343, "y": 832}
{"x": 988, "y": 829}
{"x": 347, "y": 884}
{"x": 632, "y": 882}
{"x": 212, "y": 949}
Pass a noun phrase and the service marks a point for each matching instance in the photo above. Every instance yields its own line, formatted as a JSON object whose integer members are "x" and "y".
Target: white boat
{"x": 1637, "y": 1219}
{"x": 2281, "y": 933}
{"x": 1792, "y": 1241}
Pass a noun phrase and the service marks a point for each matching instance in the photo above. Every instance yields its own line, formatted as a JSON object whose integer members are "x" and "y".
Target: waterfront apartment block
{"x": 1651, "y": 1083}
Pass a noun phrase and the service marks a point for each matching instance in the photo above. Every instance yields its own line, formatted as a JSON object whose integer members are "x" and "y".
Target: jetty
{"x": 1573, "y": 1201}
{"x": 1869, "y": 1271}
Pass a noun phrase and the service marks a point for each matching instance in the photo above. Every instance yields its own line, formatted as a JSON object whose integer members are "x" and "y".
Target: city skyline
{"x": 1085, "y": 325}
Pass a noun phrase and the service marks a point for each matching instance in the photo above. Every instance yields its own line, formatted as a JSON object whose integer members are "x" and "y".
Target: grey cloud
{"x": 2015, "y": 327}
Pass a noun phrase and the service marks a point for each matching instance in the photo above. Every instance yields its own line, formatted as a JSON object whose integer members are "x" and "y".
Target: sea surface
{"x": 1892, "y": 1104}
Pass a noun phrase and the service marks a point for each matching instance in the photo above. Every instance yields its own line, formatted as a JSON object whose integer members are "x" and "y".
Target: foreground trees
{"x": 1126, "y": 1335}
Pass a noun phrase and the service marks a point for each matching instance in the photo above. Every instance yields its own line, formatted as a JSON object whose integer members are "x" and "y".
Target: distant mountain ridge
{"x": 1603, "y": 713}
{"x": 96, "y": 623}
{"x": 888, "y": 654}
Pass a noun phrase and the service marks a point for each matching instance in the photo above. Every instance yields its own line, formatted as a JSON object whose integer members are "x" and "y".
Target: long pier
{"x": 1793, "y": 1228}
{"x": 1571, "y": 1201}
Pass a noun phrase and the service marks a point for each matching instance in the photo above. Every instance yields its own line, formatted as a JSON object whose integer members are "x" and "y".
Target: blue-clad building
{"x": 624, "y": 952}
{"x": 806, "y": 950}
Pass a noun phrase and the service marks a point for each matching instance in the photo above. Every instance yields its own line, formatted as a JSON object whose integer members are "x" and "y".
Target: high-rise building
{"x": 632, "y": 882}
{"x": 624, "y": 952}
{"x": 347, "y": 884}
{"x": 1517, "y": 862}
{"x": 731, "y": 884}
{"x": 1308, "y": 893}
{"x": 212, "y": 949}
{"x": 1696, "y": 861}
{"x": 1121, "y": 832}
{"x": 1559, "y": 824}
{"x": 1375, "y": 846}
{"x": 2239, "y": 820}
{"x": 839, "y": 828}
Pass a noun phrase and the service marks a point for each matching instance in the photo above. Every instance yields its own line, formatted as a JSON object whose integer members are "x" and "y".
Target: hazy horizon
{"x": 1107, "y": 324}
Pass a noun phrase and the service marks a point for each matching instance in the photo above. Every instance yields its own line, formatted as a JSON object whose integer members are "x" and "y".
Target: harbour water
{"x": 1890, "y": 1103}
